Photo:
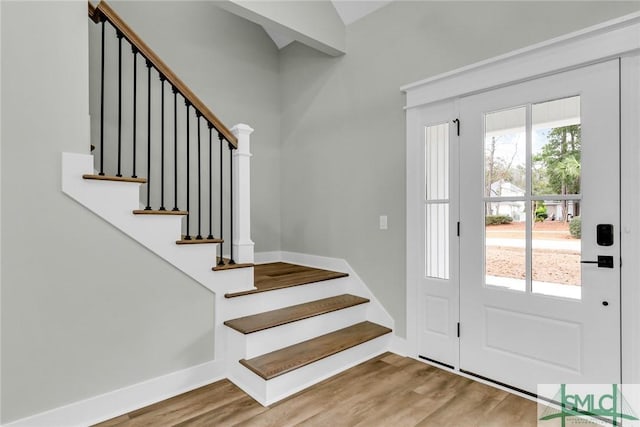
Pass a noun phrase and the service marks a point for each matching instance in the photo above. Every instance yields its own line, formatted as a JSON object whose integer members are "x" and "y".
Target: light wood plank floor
{"x": 385, "y": 391}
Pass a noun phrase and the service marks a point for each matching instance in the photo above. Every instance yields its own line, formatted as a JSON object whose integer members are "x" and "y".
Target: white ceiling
{"x": 348, "y": 10}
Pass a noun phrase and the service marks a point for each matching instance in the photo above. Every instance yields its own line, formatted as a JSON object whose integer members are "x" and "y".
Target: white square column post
{"x": 242, "y": 243}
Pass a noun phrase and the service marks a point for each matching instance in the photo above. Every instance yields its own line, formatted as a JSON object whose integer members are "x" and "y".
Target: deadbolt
{"x": 604, "y": 234}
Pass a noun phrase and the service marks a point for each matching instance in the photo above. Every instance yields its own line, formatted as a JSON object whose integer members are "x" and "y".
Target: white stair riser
{"x": 266, "y": 341}
{"x": 248, "y": 382}
{"x": 285, "y": 385}
{"x": 276, "y": 389}
{"x": 272, "y": 300}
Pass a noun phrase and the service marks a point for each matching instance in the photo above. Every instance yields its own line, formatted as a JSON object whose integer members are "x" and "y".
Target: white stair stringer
{"x": 268, "y": 392}
{"x": 353, "y": 284}
{"x": 115, "y": 202}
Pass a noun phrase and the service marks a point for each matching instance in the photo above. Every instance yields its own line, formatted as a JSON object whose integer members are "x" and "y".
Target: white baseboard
{"x": 118, "y": 402}
{"x": 266, "y": 257}
{"x": 399, "y": 346}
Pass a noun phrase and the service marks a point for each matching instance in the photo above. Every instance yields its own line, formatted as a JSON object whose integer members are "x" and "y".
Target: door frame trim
{"x": 598, "y": 43}
{"x": 618, "y": 38}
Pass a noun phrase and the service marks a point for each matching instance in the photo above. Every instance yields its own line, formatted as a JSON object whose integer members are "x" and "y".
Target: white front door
{"x": 539, "y": 206}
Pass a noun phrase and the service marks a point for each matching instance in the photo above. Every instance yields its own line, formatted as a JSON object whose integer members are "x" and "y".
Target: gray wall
{"x": 343, "y": 129}
{"x": 86, "y": 310}
{"x": 231, "y": 65}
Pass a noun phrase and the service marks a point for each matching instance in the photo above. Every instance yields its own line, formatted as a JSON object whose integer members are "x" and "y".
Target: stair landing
{"x": 280, "y": 275}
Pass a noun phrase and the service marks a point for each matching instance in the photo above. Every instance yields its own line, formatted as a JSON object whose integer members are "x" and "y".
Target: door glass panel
{"x": 437, "y": 162}
{"x": 505, "y": 153}
{"x": 505, "y": 244}
{"x": 556, "y": 147}
{"x": 556, "y": 248}
{"x": 528, "y": 242}
{"x": 437, "y": 201}
{"x": 437, "y": 240}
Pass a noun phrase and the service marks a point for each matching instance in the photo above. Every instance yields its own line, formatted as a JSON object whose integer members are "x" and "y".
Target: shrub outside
{"x": 497, "y": 219}
{"x": 575, "y": 227}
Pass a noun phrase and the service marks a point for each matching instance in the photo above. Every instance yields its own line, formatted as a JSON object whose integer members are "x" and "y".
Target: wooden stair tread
{"x": 227, "y": 266}
{"x": 270, "y": 319}
{"x": 158, "y": 212}
{"x": 287, "y": 359}
{"x": 194, "y": 241}
{"x": 279, "y": 275}
{"x": 115, "y": 178}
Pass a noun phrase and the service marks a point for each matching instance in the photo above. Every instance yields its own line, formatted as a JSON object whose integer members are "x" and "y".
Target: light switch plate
{"x": 383, "y": 222}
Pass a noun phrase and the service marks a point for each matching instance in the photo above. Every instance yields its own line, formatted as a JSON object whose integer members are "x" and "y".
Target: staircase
{"x": 298, "y": 327}
{"x": 280, "y": 327}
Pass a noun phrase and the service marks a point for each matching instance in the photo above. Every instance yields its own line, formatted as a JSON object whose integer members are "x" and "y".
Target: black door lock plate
{"x": 604, "y": 261}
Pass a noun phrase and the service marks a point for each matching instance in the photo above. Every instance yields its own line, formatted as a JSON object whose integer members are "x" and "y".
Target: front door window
{"x": 532, "y": 198}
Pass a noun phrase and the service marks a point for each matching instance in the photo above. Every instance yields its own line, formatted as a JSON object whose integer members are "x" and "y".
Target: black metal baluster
{"x": 187, "y": 236}
{"x": 135, "y": 109}
{"x": 210, "y": 236}
{"x": 175, "y": 149}
{"x": 119, "y": 35}
{"x": 102, "y": 103}
{"x": 231, "y": 260}
{"x": 162, "y": 208}
{"x": 148, "y": 207}
{"x": 221, "y": 260}
{"x": 199, "y": 236}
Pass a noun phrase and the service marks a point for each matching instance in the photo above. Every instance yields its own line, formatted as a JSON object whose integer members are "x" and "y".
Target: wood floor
{"x": 386, "y": 391}
{"x": 279, "y": 275}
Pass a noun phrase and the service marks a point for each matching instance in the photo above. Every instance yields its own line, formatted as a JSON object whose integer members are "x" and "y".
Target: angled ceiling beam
{"x": 313, "y": 23}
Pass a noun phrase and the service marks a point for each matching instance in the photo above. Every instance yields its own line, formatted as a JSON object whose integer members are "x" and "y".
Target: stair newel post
{"x": 102, "y": 21}
{"x": 188, "y": 104}
{"x": 175, "y": 148}
{"x": 241, "y": 190}
{"x": 162, "y": 79}
{"x": 135, "y": 109}
{"x": 210, "y": 236}
{"x": 119, "y": 35}
{"x": 221, "y": 260}
{"x": 199, "y": 236}
{"x": 148, "y": 207}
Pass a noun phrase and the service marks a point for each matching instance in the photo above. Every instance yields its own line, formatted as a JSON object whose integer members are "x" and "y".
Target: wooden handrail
{"x": 103, "y": 10}
{"x": 92, "y": 13}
